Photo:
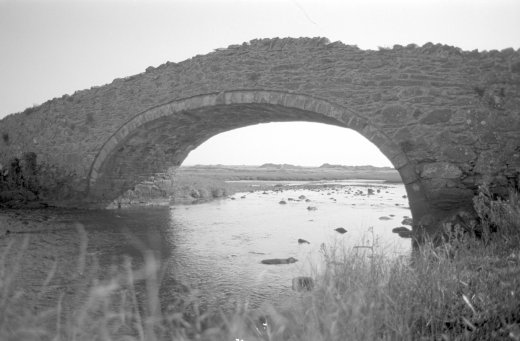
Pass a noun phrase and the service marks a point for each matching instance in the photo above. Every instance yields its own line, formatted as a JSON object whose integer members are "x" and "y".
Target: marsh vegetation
{"x": 201, "y": 183}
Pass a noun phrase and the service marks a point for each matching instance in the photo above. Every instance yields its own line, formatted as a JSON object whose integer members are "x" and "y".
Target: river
{"x": 214, "y": 248}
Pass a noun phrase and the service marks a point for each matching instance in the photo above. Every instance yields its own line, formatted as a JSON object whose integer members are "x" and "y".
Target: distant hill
{"x": 287, "y": 166}
{"x": 280, "y": 166}
{"x": 355, "y": 168}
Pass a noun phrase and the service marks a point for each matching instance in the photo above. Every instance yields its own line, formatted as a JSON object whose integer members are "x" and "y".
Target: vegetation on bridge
{"x": 25, "y": 183}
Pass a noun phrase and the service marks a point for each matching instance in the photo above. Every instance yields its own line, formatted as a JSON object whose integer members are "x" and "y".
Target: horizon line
{"x": 283, "y": 164}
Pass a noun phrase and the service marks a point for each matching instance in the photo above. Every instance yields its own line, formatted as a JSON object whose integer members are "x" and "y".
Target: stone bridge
{"x": 447, "y": 119}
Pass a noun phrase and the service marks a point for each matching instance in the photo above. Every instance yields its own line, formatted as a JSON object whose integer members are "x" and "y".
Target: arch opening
{"x": 296, "y": 143}
{"x": 162, "y": 137}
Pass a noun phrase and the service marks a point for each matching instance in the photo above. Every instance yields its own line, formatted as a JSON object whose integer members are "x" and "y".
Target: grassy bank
{"x": 467, "y": 288}
{"x": 274, "y": 172}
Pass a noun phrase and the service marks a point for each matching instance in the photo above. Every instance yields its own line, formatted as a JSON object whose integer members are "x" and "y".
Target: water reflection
{"x": 217, "y": 247}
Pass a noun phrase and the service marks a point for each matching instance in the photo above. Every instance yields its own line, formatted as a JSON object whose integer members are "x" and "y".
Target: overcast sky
{"x": 50, "y": 48}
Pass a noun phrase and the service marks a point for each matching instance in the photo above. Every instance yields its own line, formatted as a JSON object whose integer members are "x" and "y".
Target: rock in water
{"x": 279, "y": 261}
{"x": 312, "y": 208}
{"x": 405, "y": 234}
{"x": 407, "y": 221}
{"x": 302, "y": 283}
{"x": 340, "y": 230}
{"x": 302, "y": 241}
{"x": 282, "y": 202}
{"x": 400, "y": 229}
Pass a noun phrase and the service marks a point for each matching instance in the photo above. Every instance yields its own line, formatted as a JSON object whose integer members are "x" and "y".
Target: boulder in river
{"x": 302, "y": 241}
{"x": 407, "y": 221}
{"x": 384, "y": 218}
{"x": 340, "y": 230}
{"x": 400, "y": 229}
{"x": 312, "y": 208}
{"x": 279, "y": 261}
{"x": 405, "y": 234}
{"x": 302, "y": 283}
{"x": 282, "y": 202}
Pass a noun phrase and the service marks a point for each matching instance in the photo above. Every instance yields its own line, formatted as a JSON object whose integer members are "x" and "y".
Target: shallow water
{"x": 214, "y": 247}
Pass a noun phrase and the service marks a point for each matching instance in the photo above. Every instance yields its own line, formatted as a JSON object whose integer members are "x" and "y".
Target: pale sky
{"x": 49, "y": 48}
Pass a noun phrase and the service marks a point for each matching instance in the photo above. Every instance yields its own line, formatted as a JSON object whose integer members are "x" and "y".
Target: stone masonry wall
{"x": 455, "y": 115}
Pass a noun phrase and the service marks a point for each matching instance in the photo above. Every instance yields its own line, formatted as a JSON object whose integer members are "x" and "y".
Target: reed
{"x": 465, "y": 289}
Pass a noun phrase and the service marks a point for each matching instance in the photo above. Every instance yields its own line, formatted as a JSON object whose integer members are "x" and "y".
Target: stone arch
{"x": 193, "y": 120}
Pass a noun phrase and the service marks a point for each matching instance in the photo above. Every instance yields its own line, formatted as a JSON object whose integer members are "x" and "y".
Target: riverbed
{"x": 212, "y": 250}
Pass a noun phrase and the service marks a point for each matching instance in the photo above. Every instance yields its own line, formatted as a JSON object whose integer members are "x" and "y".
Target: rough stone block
{"x": 399, "y": 160}
{"x": 249, "y": 97}
{"x": 437, "y": 116}
{"x": 369, "y": 131}
{"x": 311, "y": 104}
{"x": 357, "y": 123}
{"x": 346, "y": 116}
{"x": 276, "y": 98}
{"x": 228, "y": 98}
{"x": 440, "y": 170}
{"x": 458, "y": 154}
{"x": 408, "y": 174}
{"x": 290, "y": 101}
{"x": 124, "y": 131}
{"x": 393, "y": 115}
{"x": 209, "y": 100}
{"x": 434, "y": 184}
{"x": 261, "y": 97}
{"x": 238, "y": 97}
{"x": 148, "y": 116}
{"x": 489, "y": 163}
{"x": 323, "y": 108}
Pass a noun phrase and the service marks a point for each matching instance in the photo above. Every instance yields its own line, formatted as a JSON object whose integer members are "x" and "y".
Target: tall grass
{"x": 498, "y": 215}
{"x": 465, "y": 289}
